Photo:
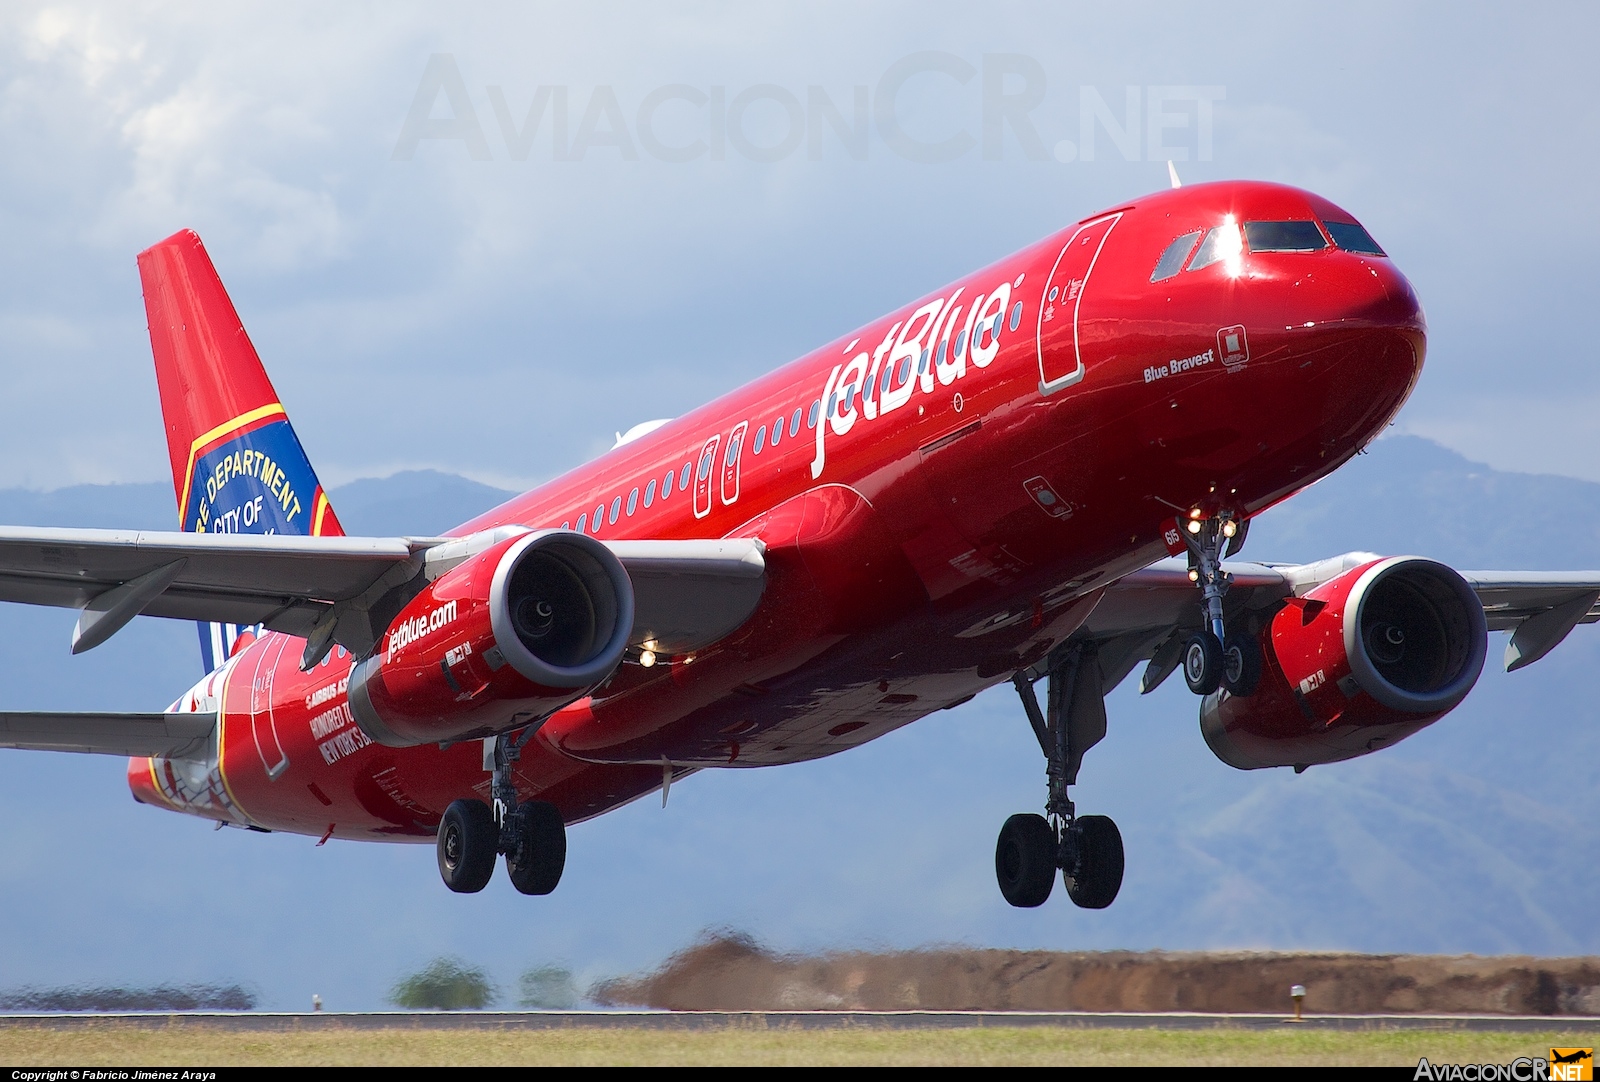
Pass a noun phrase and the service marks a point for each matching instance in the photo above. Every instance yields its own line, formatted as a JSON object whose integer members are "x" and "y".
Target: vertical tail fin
{"x": 237, "y": 465}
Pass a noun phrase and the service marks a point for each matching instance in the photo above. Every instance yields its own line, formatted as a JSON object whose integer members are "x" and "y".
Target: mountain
{"x": 416, "y": 503}
{"x": 1477, "y": 835}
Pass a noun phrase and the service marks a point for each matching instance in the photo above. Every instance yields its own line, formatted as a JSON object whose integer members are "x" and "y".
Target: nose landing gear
{"x": 1087, "y": 849}
{"x": 1213, "y": 658}
{"x": 530, "y": 833}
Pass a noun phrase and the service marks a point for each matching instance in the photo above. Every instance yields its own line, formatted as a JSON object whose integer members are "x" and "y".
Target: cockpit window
{"x": 1284, "y": 236}
{"x": 1352, "y": 238}
{"x": 1171, "y": 261}
{"x": 1223, "y": 242}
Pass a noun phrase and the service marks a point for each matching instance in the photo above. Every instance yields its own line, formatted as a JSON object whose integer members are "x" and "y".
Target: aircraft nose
{"x": 1364, "y": 306}
{"x": 1372, "y": 293}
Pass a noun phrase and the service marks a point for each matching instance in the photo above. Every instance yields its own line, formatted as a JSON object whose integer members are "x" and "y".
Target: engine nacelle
{"x": 507, "y": 636}
{"x": 1364, "y": 660}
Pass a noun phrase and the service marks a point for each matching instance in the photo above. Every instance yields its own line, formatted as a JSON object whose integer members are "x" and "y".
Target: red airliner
{"x": 1039, "y": 472}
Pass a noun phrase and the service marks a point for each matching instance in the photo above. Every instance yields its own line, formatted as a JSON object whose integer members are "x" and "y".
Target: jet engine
{"x": 506, "y": 637}
{"x": 1360, "y": 662}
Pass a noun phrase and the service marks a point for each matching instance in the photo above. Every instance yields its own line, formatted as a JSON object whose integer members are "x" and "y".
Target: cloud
{"x": 631, "y": 287}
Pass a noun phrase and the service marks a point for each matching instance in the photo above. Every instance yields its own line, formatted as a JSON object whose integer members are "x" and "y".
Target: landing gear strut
{"x": 1213, "y": 658}
{"x": 1087, "y": 849}
{"x": 530, "y": 833}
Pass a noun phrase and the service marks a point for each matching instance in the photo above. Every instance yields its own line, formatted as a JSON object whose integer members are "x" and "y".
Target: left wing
{"x": 687, "y": 593}
{"x": 282, "y": 581}
{"x": 169, "y": 736}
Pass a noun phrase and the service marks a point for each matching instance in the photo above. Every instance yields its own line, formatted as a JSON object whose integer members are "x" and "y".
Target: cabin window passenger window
{"x": 1016, "y": 315}
{"x": 811, "y": 418}
{"x": 616, "y": 509}
{"x": 633, "y": 501}
{"x": 683, "y": 476}
{"x": 1284, "y": 236}
{"x": 777, "y": 431}
{"x": 833, "y": 404}
{"x": 599, "y": 517}
{"x": 1352, "y": 238}
{"x": 794, "y": 422}
{"x": 583, "y": 522}
{"x": 567, "y": 525}
{"x": 761, "y": 438}
{"x": 961, "y": 343}
{"x": 943, "y": 344}
{"x": 650, "y": 492}
{"x": 1171, "y": 261}
{"x": 733, "y": 451}
{"x": 705, "y": 466}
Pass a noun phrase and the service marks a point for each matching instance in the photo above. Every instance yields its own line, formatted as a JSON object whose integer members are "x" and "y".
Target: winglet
{"x": 1172, "y": 174}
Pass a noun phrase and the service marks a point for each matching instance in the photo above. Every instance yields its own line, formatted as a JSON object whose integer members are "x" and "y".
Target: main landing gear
{"x": 530, "y": 833}
{"x": 1212, "y": 658}
{"x": 1087, "y": 848}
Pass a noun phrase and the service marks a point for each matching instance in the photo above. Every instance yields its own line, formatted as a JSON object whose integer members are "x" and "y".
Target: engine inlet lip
{"x": 517, "y": 654}
{"x": 1367, "y": 675}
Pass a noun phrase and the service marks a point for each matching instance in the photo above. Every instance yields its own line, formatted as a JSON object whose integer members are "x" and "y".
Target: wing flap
{"x": 170, "y": 736}
{"x": 1510, "y": 597}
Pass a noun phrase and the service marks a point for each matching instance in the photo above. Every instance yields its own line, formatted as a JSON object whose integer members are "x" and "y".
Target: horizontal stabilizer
{"x": 169, "y": 736}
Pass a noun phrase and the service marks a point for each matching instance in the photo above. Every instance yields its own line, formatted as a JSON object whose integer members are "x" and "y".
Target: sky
{"x": 442, "y": 286}
{"x": 458, "y": 298}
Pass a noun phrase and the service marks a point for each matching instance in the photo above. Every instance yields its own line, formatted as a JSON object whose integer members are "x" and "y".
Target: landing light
{"x": 1229, "y": 528}
{"x": 647, "y": 658}
{"x": 1195, "y": 513}
{"x": 1194, "y": 576}
{"x": 1194, "y": 526}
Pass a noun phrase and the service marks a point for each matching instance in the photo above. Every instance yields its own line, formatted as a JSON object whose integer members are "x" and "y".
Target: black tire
{"x": 1202, "y": 663}
{"x": 1096, "y": 875}
{"x": 535, "y": 866}
{"x": 1025, "y": 860}
{"x": 1241, "y": 665}
{"x": 468, "y": 842}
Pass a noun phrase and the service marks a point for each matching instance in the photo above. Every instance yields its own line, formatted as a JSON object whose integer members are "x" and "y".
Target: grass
{"x": 200, "y": 1045}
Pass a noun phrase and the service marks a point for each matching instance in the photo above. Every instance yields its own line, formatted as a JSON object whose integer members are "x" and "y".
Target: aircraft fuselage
{"x": 944, "y": 493}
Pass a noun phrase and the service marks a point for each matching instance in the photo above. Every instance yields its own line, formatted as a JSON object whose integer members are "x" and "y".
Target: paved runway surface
{"x": 270, "y": 1021}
